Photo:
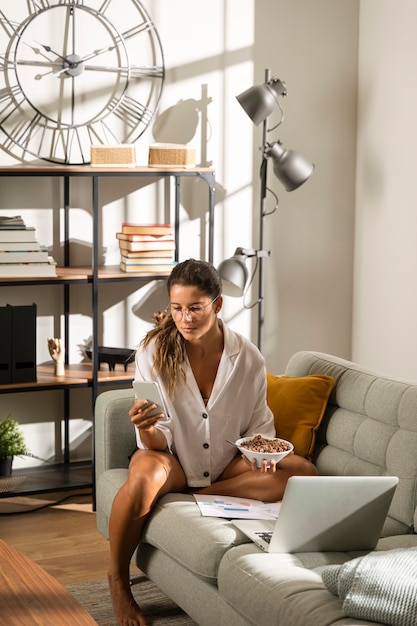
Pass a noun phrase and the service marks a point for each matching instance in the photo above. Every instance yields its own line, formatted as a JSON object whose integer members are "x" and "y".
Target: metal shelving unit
{"x": 87, "y": 375}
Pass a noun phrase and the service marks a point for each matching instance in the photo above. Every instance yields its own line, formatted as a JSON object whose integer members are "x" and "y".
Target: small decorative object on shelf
{"x": 113, "y": 156}
{"x": 113, "y": 356}
{"x": 57, "y": 352}
{"x": 171, "y": 155}
{"x": 12, "y": 443}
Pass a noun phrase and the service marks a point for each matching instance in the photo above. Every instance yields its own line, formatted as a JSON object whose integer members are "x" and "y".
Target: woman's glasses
{"x": 194, "y": 311}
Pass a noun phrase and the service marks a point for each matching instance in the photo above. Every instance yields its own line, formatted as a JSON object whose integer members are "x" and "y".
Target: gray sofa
{"x": 211, "y": 570}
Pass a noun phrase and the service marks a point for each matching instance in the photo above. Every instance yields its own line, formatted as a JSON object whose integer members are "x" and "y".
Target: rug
{"x": 159, "y": 609}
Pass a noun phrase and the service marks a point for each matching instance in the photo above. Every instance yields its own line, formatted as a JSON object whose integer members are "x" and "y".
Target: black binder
{"x": 23, "y": 344}
{"x": 5, "y": 344}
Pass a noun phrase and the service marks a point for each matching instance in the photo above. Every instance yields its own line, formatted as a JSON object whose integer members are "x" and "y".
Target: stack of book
{"x": 20, "y": 252}
{"x": 146, "y": 248}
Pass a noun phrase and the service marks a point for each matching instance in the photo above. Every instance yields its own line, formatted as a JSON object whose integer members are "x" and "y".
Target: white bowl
{"x": 268, "y": 456}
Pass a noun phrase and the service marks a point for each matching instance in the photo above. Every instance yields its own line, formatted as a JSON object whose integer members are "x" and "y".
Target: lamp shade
{"x": 260, "y": 101}
{"x": 290, "y": 167}
{"x": 234, "y": 275}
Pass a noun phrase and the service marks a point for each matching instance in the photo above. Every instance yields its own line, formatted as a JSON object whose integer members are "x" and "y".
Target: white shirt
{"x": 236, "y": 408}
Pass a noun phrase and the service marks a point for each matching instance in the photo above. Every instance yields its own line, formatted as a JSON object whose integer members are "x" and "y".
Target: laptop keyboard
{"x": 265, "y": 535}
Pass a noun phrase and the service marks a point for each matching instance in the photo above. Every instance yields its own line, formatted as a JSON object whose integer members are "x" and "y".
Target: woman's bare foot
{"x": 126, "y": 609}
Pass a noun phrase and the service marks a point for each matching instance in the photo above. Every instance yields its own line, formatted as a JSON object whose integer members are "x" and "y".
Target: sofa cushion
{"x": 266, "y": 588}
{"x": 379, "y": 586}
{"x": 369, "y": 428}
{"x": 298, "y": 405}
{"x": 198, "y": 543}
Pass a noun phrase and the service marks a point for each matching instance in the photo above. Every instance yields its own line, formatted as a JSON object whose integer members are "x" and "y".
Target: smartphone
{"x": 152, "y": 393}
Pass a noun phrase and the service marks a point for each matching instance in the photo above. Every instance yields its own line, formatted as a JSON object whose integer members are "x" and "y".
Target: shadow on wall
{"x": 179, "y": 124}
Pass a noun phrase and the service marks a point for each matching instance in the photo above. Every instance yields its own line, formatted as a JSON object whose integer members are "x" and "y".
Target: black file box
{"x": 23, "y": 344}
{"x": 5, "y": 344}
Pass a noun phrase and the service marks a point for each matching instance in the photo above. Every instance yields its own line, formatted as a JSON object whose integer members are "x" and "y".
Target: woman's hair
{"x": 169, "y": 343}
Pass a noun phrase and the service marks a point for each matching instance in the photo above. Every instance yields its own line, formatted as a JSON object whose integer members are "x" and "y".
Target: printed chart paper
{"x": 236, "y": 508}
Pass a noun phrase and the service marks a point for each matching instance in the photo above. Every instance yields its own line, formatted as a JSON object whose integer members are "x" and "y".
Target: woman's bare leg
{"x": 239, "y": 480}
{"x": 151, "y": 475}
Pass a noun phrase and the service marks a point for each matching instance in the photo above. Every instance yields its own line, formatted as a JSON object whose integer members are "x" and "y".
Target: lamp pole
{"x": 291, "y": 169}
{"x": 264, "y": 177}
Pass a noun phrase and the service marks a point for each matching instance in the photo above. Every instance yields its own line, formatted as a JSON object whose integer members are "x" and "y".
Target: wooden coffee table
{"x": 29, "y": 596}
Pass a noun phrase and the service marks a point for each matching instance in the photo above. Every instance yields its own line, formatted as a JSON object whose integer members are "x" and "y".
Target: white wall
{"x": 313, "y": 47}
{"x": 385, "y": 309}
{"x": 213, "y": 51}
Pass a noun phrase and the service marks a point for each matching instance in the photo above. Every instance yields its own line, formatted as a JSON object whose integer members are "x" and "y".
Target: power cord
{"x": 47, "y": 505}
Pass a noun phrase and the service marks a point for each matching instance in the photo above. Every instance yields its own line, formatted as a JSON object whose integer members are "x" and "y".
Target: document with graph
{"x": 240, "y": 508}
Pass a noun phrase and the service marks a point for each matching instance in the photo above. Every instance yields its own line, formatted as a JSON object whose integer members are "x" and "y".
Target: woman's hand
{"x": 143, "y": 416}
{"x": 265, "y": 468}
{"x": 153, "y": 438}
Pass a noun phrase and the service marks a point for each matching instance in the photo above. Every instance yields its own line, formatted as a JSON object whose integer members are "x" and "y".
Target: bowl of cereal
{"x": 261, "y": 447}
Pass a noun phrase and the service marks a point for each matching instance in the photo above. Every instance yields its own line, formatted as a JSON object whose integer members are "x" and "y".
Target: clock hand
{"x": 79, "y": 61}
{"x": 92, "y": 55}
{"x": 49, "y": 49}
{"x": 96, "y": 53}
{"x": 120, "y": 39}
{"x": 47, "y": 63}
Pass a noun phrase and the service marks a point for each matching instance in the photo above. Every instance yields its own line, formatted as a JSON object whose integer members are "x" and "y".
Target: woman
{"x": 214, "y": 385}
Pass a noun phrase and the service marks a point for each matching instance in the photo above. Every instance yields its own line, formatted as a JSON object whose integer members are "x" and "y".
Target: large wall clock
{"x": 75, "y": 73}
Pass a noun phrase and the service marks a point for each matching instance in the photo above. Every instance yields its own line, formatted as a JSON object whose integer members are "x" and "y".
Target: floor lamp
{"x": 291, "y": 169}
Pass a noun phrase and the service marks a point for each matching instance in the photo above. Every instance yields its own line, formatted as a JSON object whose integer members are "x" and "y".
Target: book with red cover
{"x": 138, "y": 237}
{"x": 146, "y": 229}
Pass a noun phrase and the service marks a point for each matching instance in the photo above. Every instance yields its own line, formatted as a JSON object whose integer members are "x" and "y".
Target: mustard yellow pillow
{"x": 298, "y": 405}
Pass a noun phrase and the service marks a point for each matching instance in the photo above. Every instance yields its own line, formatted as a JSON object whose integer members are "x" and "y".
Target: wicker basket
{"x": 171, "y": 155}
{"x": 113, "y": 156}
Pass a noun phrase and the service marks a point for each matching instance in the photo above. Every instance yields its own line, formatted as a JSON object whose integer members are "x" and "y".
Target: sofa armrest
{"x": 114, "y": 435}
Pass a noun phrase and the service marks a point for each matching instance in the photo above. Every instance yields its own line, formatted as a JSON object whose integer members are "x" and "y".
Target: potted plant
{"x": 12, "y": 443}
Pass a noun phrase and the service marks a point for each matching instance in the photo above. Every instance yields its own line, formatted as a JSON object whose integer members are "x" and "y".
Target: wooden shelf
{"x": 60, "y": 477}
{"x": 65, "y": 275}
{"x": 89, "y": 170}
{"x": 72, "y": 275}
{"x": 79, "y": 375}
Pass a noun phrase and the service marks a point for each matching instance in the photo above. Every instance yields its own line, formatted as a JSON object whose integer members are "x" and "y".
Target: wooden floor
{"x": 62, "y": 539}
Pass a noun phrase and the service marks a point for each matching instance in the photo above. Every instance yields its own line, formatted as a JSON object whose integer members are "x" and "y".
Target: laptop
{"x": 325, "y": 514}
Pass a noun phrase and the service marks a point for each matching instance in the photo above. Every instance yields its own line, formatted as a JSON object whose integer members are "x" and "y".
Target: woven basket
{"x": 113, "y": 156}
{"x": 171, "y": 155}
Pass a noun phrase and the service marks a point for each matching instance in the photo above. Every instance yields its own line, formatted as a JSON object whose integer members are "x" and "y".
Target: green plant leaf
{"x": 12, "y": 442}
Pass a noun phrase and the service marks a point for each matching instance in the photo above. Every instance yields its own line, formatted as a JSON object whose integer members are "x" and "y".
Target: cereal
{"x": 259, "y": 444}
